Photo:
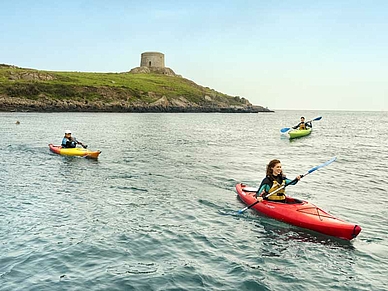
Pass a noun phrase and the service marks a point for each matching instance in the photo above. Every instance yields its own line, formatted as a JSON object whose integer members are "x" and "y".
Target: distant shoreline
{"x": 118, "y": 109}
{"x": 32, "y": 90}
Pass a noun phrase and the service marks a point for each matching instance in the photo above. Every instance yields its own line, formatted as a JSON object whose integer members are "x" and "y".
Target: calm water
{"x": 157, "y": 210}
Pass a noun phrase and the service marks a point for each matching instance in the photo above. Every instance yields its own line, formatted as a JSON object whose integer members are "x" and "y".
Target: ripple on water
{"x": 157, "y": 210}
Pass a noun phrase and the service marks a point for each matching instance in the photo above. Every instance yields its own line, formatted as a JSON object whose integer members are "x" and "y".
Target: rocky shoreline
{"x": 12, "y": 104}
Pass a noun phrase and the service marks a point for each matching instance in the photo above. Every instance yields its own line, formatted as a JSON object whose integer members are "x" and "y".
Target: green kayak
{"x": 295, "y": 133}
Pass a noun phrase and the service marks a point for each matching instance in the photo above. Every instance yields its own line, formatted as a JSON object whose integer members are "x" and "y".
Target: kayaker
{"x": 274, "y": 179}
{"x": 302, "y": 124}
{"x": 71, "y": 142}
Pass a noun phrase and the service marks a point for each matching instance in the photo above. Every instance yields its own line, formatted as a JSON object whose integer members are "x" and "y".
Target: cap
{"x": 67, "y": 131}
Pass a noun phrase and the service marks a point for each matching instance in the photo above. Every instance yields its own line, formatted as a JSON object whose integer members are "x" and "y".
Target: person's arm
{"x": 309, "y": 124}
{"x": 78, "y": 142}
{"x": 263, "y": 189}
{"x": 261, "y": 192}
{"x": 292, "y": 182}
{"x": 296, "y": 126}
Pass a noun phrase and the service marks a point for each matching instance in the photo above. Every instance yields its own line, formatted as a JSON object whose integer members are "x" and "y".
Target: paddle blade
{"x": 242, "y": 210}
{"x": 317, "y": 118}
{"x": 285, "y": 129}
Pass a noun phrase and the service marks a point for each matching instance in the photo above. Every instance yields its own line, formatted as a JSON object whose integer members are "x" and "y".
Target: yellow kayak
{"x": 78, "y": 152}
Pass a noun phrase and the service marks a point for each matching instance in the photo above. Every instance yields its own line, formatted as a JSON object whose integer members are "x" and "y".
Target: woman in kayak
{"x": 71, "y": 142}
{"x": 272, "y": 182}
{"x": 303, "y": 125}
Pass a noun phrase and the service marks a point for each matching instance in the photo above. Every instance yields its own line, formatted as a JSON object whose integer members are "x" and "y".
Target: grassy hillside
{"x": 101, "y": 90}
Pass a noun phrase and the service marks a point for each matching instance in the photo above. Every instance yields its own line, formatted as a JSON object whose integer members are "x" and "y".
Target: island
{"x": 151, "y": 87}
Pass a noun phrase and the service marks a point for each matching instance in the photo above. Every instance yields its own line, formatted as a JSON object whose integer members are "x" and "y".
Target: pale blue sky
{"x": 301, "y": 54}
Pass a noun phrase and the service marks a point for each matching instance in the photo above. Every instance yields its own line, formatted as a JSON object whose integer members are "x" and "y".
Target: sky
{"x": 284, "y": 55}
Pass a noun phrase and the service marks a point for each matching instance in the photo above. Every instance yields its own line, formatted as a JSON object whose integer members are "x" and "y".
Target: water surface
{"x": 156, "y": 211}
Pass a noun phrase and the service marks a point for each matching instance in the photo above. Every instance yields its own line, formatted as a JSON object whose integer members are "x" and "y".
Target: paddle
{"x": 78, "y": 142}
{"x": 293, "y": 181}
{"x": 285, "y": 129}
{"x": 83, "y": 145}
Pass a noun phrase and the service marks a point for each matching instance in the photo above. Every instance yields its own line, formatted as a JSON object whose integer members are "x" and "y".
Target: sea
{"x": 158, "y": 210}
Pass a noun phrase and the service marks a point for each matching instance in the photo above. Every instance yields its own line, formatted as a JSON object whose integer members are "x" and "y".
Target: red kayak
{"x": 300, "y": 213}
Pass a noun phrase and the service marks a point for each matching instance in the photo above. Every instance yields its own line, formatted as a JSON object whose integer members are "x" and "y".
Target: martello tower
{"x": 152, "y": 59}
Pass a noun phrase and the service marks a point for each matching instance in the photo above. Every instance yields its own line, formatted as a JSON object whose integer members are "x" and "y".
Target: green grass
{"x": 107, "y": 87}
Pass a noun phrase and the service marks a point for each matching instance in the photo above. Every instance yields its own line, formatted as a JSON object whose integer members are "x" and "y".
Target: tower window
{"x": 149, "y": 63}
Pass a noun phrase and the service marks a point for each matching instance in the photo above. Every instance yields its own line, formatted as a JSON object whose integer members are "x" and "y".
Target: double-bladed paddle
{"x": 293, "y": 181}
{"x": 285, "y": 129}
{"x": 80, "y": 143}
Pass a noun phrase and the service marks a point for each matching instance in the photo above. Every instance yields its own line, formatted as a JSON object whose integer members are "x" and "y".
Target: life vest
{"x": 279, "y": 195}
{"x": 302, "y": 126}
{"x": 67, "y": 143}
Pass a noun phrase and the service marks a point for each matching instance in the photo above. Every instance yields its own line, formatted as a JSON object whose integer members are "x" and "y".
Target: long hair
{"x": 270, "y": 167}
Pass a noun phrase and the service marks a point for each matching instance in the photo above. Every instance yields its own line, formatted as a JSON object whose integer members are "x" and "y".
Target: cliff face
{"x": 141, "y": 90}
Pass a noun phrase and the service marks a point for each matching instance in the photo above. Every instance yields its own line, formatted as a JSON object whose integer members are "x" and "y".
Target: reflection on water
{"x": 284, "y": 232}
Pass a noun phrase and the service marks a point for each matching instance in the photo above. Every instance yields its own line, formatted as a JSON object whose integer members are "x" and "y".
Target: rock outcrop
{"x": 153, "y": 70}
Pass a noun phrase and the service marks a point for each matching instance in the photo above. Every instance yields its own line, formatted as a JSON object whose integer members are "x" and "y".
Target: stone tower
{"x": 152, "y": 59}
